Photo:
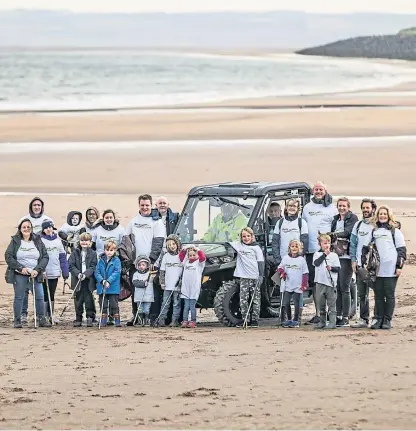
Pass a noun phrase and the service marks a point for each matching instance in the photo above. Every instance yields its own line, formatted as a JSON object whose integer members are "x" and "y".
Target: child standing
{"x": 107, "y": 274}
{"x": 193, "y": 260}
{"x": 82, "y": 264}
{"x": 327, "y": 266}
{"x": 170, "y": 275}
{"x": 250, "y": 270}
{"x": 294, "y": 271}
{"x": 143, "y": 289}
{"x": 57, "y": 266}
{"x": 70, "y": 231}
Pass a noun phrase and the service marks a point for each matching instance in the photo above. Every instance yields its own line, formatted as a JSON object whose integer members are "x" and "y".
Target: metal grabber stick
{"x": 69, "y": 300}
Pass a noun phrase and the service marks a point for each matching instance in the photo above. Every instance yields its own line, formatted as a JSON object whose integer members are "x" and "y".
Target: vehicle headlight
{"x": 226, "y": 259}
{"x": 213, "y": 260}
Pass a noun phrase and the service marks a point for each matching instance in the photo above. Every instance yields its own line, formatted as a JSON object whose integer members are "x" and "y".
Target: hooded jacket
{"x": 57, "y": 264}
{"x": 89, "y": 227}
{"x": 349, "y": 222}
{"x": 13, "y": 265}
{"x": 68, "y": 231}
{"x": 110, "y": 271}
{"x": 143, "y": 281}
{"x": 36, "y": 220}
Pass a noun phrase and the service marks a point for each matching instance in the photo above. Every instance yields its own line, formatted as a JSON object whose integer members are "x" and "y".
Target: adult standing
{"x": 169, "y": 218}
{"x": 148, "y": 234}
{"x": 391, "y": 247}
{"x": 341, "y": 228}
{"x": 36, "y": 215}
{"x": 26, "y": 259}
{"x": 360, "y": 238}
{"x": 318, "y": 214}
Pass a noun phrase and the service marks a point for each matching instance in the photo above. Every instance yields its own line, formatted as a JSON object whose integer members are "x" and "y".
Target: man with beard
{"x": 227, "y": 225}
{"x": 318, "y": 214}
{"x": 361, "y": 237}
{"x": 169, "y": 218}
{"x": 149, "y": 234}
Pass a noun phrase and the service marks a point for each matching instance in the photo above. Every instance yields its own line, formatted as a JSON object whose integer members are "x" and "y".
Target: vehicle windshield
{"x": 214, "y": 219}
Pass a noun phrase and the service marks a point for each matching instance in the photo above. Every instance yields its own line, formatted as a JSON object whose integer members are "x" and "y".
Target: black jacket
{"x": 171, "y": 221}
{"x": 349, "y": 221}
{"x": 75, "y": 267}
{"x": 13, "y": 265}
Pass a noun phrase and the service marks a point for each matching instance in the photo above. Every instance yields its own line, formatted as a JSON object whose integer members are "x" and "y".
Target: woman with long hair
{"x": 26, "y": 258}
{"x": 391, "y": 248}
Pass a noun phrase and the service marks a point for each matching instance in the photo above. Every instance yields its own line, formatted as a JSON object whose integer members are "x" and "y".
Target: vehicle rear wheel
{"x": 270, "y": 302}
{"x": 227, "y": 303}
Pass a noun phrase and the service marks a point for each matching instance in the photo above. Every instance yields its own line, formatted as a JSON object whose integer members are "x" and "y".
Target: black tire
{"x": 227, "y": 303}
{"x": 270, "y": 303}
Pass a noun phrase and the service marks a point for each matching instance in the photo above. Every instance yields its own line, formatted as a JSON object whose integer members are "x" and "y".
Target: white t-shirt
{"x": 322, "y": 275}
{"x": 83, "y": 261}
{"x": 37, "y": 222}
{"x": 247, "y": 258}
{"x": 28, "y": 254}
{"x": 319, "y": 219}
{"x": 144, "y": 230}
{"x": 173, "y": 268}
{"x": 387, "y": 251}
{"x": 72, "y": 230}
{"x": 100, "y": 236}
{"x": 363, "y": 237}
{"x": 54, "y": 248}
{"x": 146, "y": 294}
{"x": 289, "y": 232}
{"x": 191, "y": 278}
{"x": 294, "y": 268}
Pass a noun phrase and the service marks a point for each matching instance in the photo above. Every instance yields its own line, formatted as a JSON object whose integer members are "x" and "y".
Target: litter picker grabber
{"x": 69, "y": 300}
{"x": 251, "y": 304}
{"x": 34, "y": 302}
{"x": 282, "y": 294}
{"x": 49, "y": 299}
{"x": 329, "y": 273}
{"x": 138, "y": 308}
{"x": 156, "y": 322}
{"x": 102, "y": 308}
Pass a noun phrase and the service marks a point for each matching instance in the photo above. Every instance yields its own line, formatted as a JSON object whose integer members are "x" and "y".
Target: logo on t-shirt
{"x": 190, "y": 268}
{"x": 246, "y": 253}
{"x": 363, "y": 233}
{"x": 316, "y": 213}
{"x": 142, "y": 226}
{"x": 53, "y": 249}
{"x": 292, "y": 229}
{"x": 107, "y": 238}
{"x": 294, "y": 267}
{"x": 173, "y": 265}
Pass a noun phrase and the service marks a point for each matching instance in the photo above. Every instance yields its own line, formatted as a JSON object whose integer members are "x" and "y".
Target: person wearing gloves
{"x": 82, "y": 264}
{"x": 193, "y": 260}
{"x": 293, "y": 269}
{"x": 70, "y": 231}
{"x": 26, "y": 258}
{"x": 143, "y": 289}
{"x": 92, "y": 216}
{"x": 327, "y": 266}
{"x": 107, "y": 275}
{"x": 57, "y": 266}
{"x": 288, "y": 228}
{"x": 170, "y": 276}
{"x": 318, "y": 214}
{"x": 391, "y": 247}
{"x": 341, "y": 228}
{"x": 107, "y": 229}
{"x": 360, "y": 237}
{"x": 250, "y": 270}
{"x": 36, "y": 215}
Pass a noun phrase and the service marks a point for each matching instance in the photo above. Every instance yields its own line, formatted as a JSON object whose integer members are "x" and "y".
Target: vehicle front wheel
{"x": 227, "y": 303}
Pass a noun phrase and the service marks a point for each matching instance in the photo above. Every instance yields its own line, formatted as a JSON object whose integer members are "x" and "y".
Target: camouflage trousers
{"x": 247, "y": 287}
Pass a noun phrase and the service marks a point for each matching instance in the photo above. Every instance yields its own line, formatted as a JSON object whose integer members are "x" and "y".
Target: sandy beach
{"x": 212, "y": 377}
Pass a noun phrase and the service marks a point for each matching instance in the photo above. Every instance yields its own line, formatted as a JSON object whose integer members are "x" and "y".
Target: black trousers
{"x": 84, "y": 298}
{"x": 53, "y": 283}
{"x": 385, "y": 299}
{"x": 110, "y": 301}
{"x": 343, "y": 288}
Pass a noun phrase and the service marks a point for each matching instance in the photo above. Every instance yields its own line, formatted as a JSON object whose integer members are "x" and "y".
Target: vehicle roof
{"x": 245, "y": 189}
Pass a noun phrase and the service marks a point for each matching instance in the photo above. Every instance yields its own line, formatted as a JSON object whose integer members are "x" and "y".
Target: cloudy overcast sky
{"x": 398, "y": 6}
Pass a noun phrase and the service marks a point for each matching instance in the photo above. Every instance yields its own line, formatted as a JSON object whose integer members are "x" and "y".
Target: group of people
{"x": 323, "y": 246}
{"x": 338, "y": 247}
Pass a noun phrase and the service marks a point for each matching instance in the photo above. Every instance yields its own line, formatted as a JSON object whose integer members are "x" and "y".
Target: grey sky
{"x": 397, "y": 6}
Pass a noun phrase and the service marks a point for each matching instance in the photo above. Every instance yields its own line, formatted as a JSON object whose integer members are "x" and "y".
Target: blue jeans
{"x": 22, "y": 285}
{"x": 145, "y": 307}
{"x": 25, "y": 302}
{"x": 168, "y": 296}
{"x": 189, "y": 306}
